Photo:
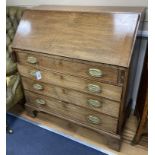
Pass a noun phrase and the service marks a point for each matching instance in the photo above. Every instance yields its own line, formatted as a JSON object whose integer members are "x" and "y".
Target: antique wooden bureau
{"x": 77, "y": 65}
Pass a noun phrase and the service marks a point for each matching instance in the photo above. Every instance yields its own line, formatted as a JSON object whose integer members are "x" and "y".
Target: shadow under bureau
{"x": 77, "y": 65}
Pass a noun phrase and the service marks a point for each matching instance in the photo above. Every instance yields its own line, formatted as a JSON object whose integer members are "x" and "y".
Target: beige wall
{"x": 80, "y": 2}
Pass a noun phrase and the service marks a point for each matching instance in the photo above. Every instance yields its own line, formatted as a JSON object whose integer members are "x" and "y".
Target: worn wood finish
{"x": 97, "y": 37}
{"x": 74, "y": 97}
{"x": 72, "y": 82}
{"x": 63, "y": 45}
{"x": 70, "y": 66}
{"x": 70, "y": 111}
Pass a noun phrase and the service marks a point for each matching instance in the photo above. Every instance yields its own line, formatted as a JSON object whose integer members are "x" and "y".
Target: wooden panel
{"x": 66, "y": 43}
{"x": 71, "y": 111}
{"x": 106, "y": 38}
{"x": 108, "y": 107}
{"x": 67, "y": 66}
{"x": 107, "y": 91}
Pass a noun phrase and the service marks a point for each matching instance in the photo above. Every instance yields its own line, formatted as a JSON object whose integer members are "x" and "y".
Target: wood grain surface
{"x": 70, "y": 66}
{"x": 106, "y": 38}
{"x": 72, "y": 82}
{"x": 65, "y": 47}
{"x": 72, "y": 112}
{"x": 108, "y": 107}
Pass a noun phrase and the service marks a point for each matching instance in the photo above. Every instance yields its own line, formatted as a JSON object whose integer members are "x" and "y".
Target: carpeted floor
{"x": 30, "y": 139}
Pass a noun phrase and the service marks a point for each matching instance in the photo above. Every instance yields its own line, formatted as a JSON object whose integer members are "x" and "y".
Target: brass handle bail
{"x": 40, "y": 101}
{"x": 31, "y": 60}
{"x": 94, "y": 88}
{"x": 94, "y": 103}
{"x": 94, "y": 119}
{"x": 38, "y": 86}
{"x": 95, "y": 72}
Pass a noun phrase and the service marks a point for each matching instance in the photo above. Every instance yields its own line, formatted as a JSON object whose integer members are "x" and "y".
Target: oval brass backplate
{"x": 94, "y": 88}
{"x": 40, "y": 101}
{"x": 31, "y": 60}
{"x": 38, "y": 86}
{"x": 95, "y": 72}
{"x": 94, "y": 103}
{"x": 94, "y": 119}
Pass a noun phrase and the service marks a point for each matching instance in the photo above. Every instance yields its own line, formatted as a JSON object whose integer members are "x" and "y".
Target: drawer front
{"x": 72, "y": 112}
{"x": 99, "y": 104}
{"x": 99, "y": 72}
{"x": 71, "y": 82}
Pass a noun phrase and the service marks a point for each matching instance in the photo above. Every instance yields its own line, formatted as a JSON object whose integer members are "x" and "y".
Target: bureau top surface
{"x": 98, "y": 37}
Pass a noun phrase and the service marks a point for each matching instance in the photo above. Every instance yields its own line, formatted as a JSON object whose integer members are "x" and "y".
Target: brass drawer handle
{"x": 94, "y": 103}
{"x": 94, "y": 88}
{"x": 38, "y": 86}
{"x": 94, "y": 119}
{"x": 31, "y": 60}
{"x": 40, "y": 101}
{"x": 95, "y": 72}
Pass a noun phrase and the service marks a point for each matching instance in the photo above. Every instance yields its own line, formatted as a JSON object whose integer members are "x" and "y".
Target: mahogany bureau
{"x": 77, "y": 65}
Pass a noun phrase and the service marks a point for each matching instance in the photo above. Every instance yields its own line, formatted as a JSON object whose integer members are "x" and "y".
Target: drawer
{"x": 90, "y": 70}
{"x": 92, "y": 87}
{"x": 99, "y": 104}
{"x": 72, "y": 112}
